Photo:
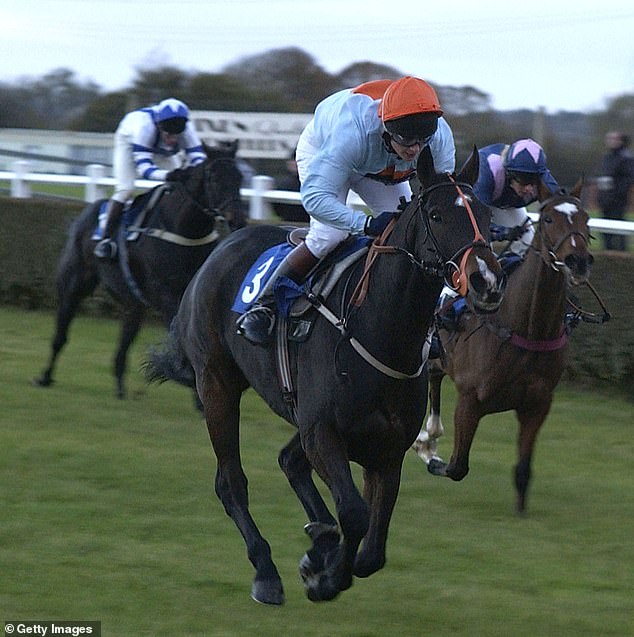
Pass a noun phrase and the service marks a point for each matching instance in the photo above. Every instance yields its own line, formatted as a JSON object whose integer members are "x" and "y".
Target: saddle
{"x": 134, "y": 213}
{"x": 328, "y": 271}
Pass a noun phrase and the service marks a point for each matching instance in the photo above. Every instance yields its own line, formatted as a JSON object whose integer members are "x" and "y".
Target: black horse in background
{"x": 358, "y": 387}
{"x": 185, "y": 224}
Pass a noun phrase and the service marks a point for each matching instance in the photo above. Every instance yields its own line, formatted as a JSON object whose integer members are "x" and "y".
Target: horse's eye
{"x": 548, "y": 219}
{"x": 435, "y": 216}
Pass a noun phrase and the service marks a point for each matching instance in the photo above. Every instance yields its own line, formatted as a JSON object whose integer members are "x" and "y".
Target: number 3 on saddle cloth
{"x": 286, "y": 292}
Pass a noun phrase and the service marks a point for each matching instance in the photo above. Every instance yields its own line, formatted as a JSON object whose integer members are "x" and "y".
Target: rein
{"x": 548, "y": 254}
{"x": 439, "y": 268}
{"x": 216, "y": 212}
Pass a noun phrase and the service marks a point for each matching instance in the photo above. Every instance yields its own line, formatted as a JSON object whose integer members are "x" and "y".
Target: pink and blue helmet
{"x": 525, "y": 156}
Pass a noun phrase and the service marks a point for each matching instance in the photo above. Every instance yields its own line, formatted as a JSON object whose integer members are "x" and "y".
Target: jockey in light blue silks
{"x": 367, "y": 140}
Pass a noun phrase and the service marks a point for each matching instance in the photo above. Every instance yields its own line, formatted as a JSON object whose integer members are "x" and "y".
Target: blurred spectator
{"x": 290, "y": 181}
{"x": 616, "y": 177}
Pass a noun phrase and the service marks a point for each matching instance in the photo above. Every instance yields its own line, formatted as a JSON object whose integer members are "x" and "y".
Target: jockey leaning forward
{"x": 147, "y": 144}
{"x": 366, "y": 139}
{"x": 508, "y": 181}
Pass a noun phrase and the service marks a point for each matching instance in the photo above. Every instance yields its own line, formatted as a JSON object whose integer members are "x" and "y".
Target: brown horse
{"x": 513, "y": 359}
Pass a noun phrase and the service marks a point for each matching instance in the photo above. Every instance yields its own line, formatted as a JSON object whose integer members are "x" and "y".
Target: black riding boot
{"x": 107, "y": 248}
{"x": 256, "y": 324}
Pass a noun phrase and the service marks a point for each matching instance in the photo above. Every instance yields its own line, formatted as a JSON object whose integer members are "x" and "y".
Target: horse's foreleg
{"x": 130, "y": 327}
{"x": 221, "y": 400}
{"x": 72, "y": 288}
{"x": 328, "y": 570}
{"x": 295, "y": 465}
{"x": 426, "y": 444}
{"x": 530, "y": 424}
{"x": 380, "y": 491}
{"x": 466, "y": 418}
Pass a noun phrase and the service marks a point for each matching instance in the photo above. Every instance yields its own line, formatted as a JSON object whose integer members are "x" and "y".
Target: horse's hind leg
{"x": 132, "y": 321}
{"x": 221, "y": 399}
{"x": 295, "y": 465}
{"x": 530, "y": 424}
{"x": 75, "y": 282}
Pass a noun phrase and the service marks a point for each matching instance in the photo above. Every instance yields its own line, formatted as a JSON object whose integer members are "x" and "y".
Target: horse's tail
{"x": 168, "y": 362}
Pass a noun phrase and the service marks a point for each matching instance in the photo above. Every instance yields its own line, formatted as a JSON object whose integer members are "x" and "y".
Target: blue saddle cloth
{"x": 128, "y": 219}
{"x": 285, "y": 290}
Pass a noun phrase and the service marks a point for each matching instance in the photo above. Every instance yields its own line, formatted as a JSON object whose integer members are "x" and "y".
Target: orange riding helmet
{"x": 410, "y": 110}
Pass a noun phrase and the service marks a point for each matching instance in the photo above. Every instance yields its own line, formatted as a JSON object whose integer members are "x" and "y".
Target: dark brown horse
{"x": 358, "y": 385}
{"x": 180, "y": 230}
{"x": 513, "y": 359}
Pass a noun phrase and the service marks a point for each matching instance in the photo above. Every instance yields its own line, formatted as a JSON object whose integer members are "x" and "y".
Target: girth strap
{"x": 365, "y": 355}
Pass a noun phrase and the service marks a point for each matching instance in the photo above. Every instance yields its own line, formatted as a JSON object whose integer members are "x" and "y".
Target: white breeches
{"x": 511, "y": 217}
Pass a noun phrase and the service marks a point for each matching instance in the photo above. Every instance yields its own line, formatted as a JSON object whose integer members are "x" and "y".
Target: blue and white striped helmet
{"x": 172, "y": 115}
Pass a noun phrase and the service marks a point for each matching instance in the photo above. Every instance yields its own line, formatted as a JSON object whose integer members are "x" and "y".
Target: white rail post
{"x": 259, "y": 208}
{"x": 20, "y": 189}
{"x": 94, "y": 190}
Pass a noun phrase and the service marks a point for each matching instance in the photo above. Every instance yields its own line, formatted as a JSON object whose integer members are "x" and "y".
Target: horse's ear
{"x": 471, "y": 168}
{"x": 425, "y": 170}
{"x": 232, "y": 147}
{"x": 578, "y": 187}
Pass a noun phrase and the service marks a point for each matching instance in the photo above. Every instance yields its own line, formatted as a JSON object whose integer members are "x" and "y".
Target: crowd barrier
{"x": 260, "y": 195}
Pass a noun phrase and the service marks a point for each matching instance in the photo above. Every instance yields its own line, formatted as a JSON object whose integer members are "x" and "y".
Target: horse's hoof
{"x": 42, "y": 381}
{"x": 269, "y": 592}
{"x": 437, "y": 467}
{"x": 318, "y": 586}
{"x": 426, "y": 448}
{"x": 315, "y": 530}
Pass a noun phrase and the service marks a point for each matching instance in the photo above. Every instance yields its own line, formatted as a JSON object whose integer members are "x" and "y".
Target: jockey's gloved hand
{"x": 374, "y": 226}
{"x": 178, "y": 174}
{"x": 498, "y": 233}
{"x": 514, "y": 233}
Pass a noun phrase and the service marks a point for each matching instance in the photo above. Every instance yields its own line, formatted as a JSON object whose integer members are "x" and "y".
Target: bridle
{"x": 452, "y": 269}
{"x": 551, "y": 259}
{"x": 212, "y": 206}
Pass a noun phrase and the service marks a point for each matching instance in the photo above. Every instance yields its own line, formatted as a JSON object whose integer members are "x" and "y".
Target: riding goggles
{"x": 409, "y": 142}
{"x": 525, "y": 179}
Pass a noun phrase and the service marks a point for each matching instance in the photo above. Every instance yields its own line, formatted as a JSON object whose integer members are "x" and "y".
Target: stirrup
{"x": 105, "y": 249}
{"x": 256, "y": 324}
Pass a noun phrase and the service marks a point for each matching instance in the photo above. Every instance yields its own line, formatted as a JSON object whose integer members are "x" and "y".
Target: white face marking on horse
{"x": 567, "y": 209}
{"x": 487, "y": 275}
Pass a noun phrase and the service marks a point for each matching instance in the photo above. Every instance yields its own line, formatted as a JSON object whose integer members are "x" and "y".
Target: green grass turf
{"x": 108, "y": 513}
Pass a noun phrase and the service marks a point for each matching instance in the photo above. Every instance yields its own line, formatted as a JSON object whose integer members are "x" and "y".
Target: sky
{"x": 568, "y": 55}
